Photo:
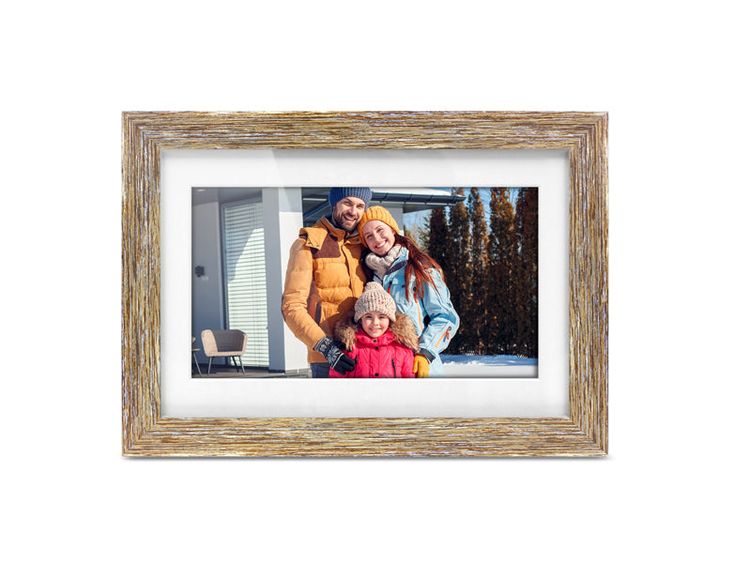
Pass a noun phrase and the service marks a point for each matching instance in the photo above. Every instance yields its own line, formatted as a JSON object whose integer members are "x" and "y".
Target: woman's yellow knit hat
{"x": 377, "y": 213}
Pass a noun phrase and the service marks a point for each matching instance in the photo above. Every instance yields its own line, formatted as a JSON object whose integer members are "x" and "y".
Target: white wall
{"x": 283, "y": 218}
{"x": 207, "y": 291}
{"x": 664, "y": 493}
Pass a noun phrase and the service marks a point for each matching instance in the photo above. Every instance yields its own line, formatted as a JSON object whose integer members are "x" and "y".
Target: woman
{"x": 416, "y": 283}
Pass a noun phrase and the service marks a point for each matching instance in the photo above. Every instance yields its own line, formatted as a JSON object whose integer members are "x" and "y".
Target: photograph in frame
{"x": 476, "y": 318}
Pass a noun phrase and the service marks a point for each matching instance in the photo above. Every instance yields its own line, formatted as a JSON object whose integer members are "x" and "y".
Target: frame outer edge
{"x": 146, "y": 134}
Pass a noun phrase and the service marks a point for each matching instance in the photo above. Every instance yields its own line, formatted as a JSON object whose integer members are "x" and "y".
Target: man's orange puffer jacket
{"x": 323, "y": 281}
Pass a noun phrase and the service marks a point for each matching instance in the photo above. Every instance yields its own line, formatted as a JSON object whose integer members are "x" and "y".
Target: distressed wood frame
{"x": 146, "y": 433}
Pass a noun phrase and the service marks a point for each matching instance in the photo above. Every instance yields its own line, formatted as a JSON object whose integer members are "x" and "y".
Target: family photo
{"x": 373, "y": 282}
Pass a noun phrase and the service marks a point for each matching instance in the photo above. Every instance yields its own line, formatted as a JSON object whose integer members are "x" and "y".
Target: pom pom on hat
{"x": 375, "y": 300}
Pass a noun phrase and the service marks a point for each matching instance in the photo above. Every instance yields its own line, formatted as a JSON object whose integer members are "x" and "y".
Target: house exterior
{"x": 240, "y": 248}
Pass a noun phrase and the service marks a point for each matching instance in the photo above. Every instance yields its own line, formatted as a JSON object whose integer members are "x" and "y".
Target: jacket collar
{"x": 386, "y": 338}
{"x": 399, "y": 262}
{"x": 326, "y": 222}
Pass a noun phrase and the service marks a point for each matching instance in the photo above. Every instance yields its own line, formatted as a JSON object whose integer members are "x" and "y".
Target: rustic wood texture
{"x": 584, "y": 433}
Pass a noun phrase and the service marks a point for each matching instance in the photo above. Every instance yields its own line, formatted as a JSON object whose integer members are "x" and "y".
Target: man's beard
{"x": 339, "y": 223}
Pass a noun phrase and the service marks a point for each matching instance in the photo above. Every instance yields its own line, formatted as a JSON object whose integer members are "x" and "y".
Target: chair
{"x": 194, "y": 351}
{"x": 224, "y": 344}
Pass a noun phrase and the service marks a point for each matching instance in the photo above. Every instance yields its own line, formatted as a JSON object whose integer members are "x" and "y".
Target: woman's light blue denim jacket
{"x": 434, "y": 316}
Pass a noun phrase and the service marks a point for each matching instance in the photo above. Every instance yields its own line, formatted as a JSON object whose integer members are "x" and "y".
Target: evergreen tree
{"x": 437, "y": 243}
{"x": 502, "y": 255}
{"x": 458, "y": 261}
{"x": 527, "y": 276}
{"x": 424, "y": 234}
{"x": 476, "y": 314}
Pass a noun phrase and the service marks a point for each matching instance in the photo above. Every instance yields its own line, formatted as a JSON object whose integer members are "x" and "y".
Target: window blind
{"x": 245, "y": 284}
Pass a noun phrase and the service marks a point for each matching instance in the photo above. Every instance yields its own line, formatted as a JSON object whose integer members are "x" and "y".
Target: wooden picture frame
{"x": 147, "y": 433}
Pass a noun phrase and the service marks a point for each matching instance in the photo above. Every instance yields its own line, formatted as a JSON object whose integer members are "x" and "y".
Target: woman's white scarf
{"x": 381, "y": 264}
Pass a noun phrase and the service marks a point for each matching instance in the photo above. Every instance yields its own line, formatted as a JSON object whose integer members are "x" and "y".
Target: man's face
{"x": 348, "y": 212}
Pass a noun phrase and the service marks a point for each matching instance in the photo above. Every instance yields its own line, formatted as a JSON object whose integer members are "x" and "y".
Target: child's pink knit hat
{"x": 375, "y": 300}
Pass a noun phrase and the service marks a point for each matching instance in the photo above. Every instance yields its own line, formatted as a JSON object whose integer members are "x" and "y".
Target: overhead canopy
{"x": 316, "y": 204}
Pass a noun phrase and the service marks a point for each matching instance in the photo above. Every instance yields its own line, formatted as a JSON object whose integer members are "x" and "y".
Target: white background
{"x": 663, "y": 73}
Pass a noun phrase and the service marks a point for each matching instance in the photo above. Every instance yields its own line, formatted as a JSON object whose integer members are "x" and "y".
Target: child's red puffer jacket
{"x": 389, "y": 355}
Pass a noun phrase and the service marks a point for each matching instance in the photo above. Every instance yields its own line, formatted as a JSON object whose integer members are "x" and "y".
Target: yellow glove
{"x": 420, "y": 366}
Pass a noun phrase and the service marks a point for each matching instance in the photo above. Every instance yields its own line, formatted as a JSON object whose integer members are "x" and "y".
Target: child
{"x": 384, "y": 343}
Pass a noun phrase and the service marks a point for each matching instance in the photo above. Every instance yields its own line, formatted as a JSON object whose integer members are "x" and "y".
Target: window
{"x": 245, "y": 285}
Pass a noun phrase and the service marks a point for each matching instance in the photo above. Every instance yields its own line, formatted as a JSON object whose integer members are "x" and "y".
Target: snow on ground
{"x": 489, "y": 366}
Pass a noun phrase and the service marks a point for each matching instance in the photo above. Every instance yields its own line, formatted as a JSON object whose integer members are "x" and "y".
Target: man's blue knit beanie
{"x": 336, "y": 194}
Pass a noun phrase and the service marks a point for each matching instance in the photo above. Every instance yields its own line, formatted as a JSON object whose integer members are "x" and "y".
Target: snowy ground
{"x": 489, "y": 366}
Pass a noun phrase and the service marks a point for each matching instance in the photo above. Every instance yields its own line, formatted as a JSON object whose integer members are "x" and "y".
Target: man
{"x": 325, "y": 278}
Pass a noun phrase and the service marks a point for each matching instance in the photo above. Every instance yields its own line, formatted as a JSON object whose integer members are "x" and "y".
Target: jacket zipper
{"x": 395, "y": 373}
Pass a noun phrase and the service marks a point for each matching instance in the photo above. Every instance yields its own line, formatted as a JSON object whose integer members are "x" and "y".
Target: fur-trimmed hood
{"x": 403, "y": 330}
